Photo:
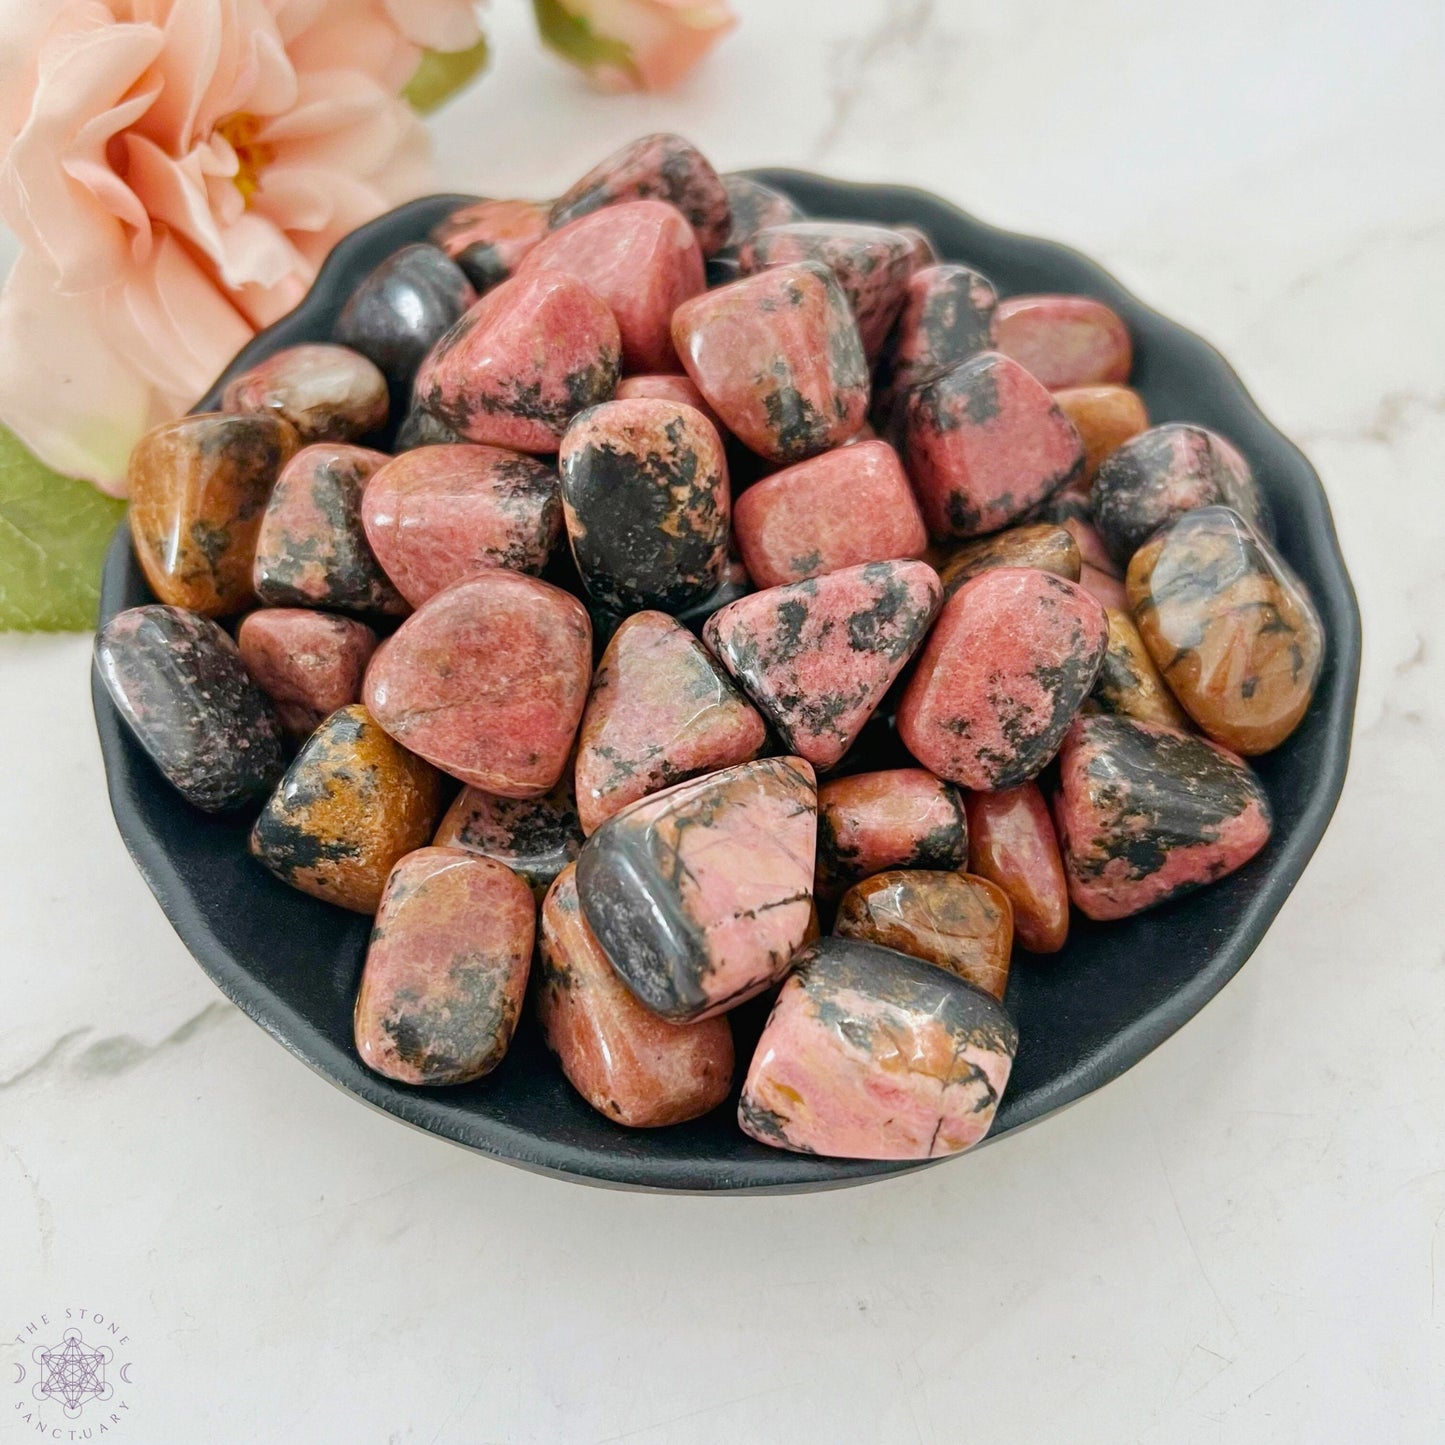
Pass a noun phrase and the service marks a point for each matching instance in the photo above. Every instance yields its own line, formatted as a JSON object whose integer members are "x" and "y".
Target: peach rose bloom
{"x": 176, "y": 171}
{"x": 635, "y": 44}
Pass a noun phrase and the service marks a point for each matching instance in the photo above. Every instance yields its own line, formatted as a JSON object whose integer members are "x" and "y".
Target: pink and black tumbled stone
{"x": 180, "y": 686}
{"x": 529, "y": 356}
{"x": 312, "y": 549}
{"x": 440, "y": 514}
{"x": 645, "y": 496}
{"x": 535, "y": 837}
{"x": 1065, "y": 340}
{"x": 308, "y": 663}
{"x": 1145, "y": 813}
{"x": 870, "y": 1054}
{"x": 754, "y": 205}
{"x": 983, "y": 444}
{"x": 328, "y": 393}
{"x": 700, "y": 894}
{"x": 818, "y": 656}
{"x": 665, "y": 386}
{"x": 658, "y": 167}
{"x": 1010, "y": 661}
{"x": 1163, "y": 473}
{"x": 872, "y": 265}
{"x": 488, "y": 239}
{"x": 778, "y": 358}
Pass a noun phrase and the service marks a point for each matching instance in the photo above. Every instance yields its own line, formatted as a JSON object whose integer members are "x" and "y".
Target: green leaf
{"x": 53, "y": 534}
{"x": 442, "y": 73}
{"x": 574, "y": 39}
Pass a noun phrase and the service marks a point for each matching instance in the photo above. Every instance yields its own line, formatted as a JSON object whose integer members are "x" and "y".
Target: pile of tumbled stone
{"x": 829, "y": 502}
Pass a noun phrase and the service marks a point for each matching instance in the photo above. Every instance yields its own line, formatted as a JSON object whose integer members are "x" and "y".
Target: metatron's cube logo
{"x": 72, "y": 1373}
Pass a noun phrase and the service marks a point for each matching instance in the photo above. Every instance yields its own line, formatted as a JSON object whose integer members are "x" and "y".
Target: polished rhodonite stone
{"x": 488, "y": 239}
{"x": 1045, "y": 546}
{"x": 1231, "y": 627}
{"x": 947, "y": 918}
{"x": 535, "y": 837}
{"x": 872, "y": 265}
{"x": 1128, "y": 681}
{"x": 735, "y": 583}
{"x": 437, "y": 515}
{"x": 1161, "y": 474}
{"x": 666, "y": 387}
{"x": 660, "y": 711}
{"x": 642, "y": 259}
{"x": 921, "y": 250}
{"x": 817, "y": 656}
{"x": 654, "y": 167}
{"x": 487, "y": 680}
{"x": 1104, "y": 587}
{"x": 777, "y": 356}
{"x": 401, "y": 310}
{"x": 645, "y": 496}
{"x": 529, "y": 356}
{"x": 753, "y": 206}
{"x": 1145, "y": 813}
{"x": 1011, "y": 842}
{"x": 418, "y": 429}
{"x": 446, "y": 969}
{"x": 1106, "y": 417}
{"x": 1012, "y": 657}
{"x": 312, "y": 549}
{"x": 846, "y": 507}
{"x": 636, "y": 1068}
{"x": 700, "y": 894}
{"x": 983, "y": 443}
{"x": 328, "y": 393}
{"x": 308, "y": 663}
{"x": 901, "y": 818}
{"x": 198, "y": 487}
{"x": 181, "y": 688}
{"x": 869, "y": 1054}
{"x": 947, "y": 317}
{"x": 352, "y": 803}
{"x": 1065, "y": 340}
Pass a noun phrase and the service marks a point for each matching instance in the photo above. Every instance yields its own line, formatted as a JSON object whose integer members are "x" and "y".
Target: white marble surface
{"x": 1241, "y": 1241}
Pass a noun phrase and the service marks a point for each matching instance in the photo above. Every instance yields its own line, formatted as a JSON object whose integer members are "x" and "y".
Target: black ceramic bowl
{"x": 1085, "y": 1016}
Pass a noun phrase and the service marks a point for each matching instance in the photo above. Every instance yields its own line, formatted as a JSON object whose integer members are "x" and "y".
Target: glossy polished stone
{"x": 778, "y": 357}
{"x": 1145, "y": 813}
{"x": 1011, "y": 658}
{"x": 1065, "y": 340}
{"x": 1106, "y": 417}
{"x": 328, "y": 393}
{"x": 699, "y": 895}
{"x": 660, "y": 711}
{"x": 488, "y": 239}
{"x": 1164, "y": 472}
{"x": 921, "y": 250}
{"x": 1044, "y": 546}
{"x": 818, "y": 656}
{"x": 487, "y": 680}
{"x": 437, "y": 515}
{"x": 899, "y": 818}
{"x": 401, "y": 310}
{"x": 1128, "y": 681}
{"x": 198, "y": 487}
{"x": 529, "y": 356}
{"x": 535, "y": 837}
{"x": 945, "y": 918}
{"x": 753, "y": 206}
{"x": 180, "y": 686}
{"x": 655, "y": 167}
{"x": 632, "y": 1066}
{"x": 1011, "y": 842}
{"x": 446, "y": 969}
{"x": 645, "y": 497}
{"x": 418, "y": 429}
{"x": 642, "y": 259}
{"x": 352, "y": 803}
{"x": 869, "y": 1054}
{"x": 312, "y": 549}
{"x": 308, "y": 663}
{"x": 805, "y": 520}
{"x": 872, "y": 265}
{"x": 666, "y": 387}
{"x": 983, "y": 443}
{"x": 1231, "y": 627}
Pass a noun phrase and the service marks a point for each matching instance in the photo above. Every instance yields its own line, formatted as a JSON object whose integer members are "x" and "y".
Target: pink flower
{"x": 634, "y": 44}
{"x": 176, "y": 172}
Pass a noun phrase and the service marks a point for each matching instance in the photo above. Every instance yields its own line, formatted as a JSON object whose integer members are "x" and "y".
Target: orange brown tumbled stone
{"x": 1106, "y": 416}
{"x": 1128, "y": 681}
{"x": 959, "y": 922}
{"x": 1044, "y": 546}
{"x": 198, "y": 489}
{"x": 1011, "y": 842}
